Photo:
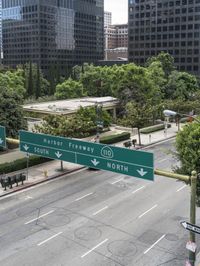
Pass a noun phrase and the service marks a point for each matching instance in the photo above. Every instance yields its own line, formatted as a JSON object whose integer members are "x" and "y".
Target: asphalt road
{"x": 98, "y": 218}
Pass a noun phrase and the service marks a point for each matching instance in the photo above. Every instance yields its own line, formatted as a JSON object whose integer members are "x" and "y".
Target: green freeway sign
{"x": 120, "y": 160}
{"x": 2, "y": 136}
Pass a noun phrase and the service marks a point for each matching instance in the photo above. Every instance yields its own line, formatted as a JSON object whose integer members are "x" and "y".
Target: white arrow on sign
{"x": 1, "y": 141}
{"x": 142, "y": 172}
{"x": 26, "y": 147}
{"x": 95, "y": 162}
{"x": 58, "y": 154}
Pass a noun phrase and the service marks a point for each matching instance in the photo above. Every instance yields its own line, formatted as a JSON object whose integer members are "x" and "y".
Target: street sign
{"x": 110, "y": 158}
{"x": 191, "y": 227}
{"x": 2, "y": 136}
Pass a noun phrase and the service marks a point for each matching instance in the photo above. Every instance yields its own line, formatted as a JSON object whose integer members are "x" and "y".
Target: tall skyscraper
{"x": 107, "y": 18}
{"x": 52, "y": 32}
{"x": 171, "y": 26}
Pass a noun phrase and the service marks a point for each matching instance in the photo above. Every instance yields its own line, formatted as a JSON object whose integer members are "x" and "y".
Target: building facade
{"x": 107, "y": 18}
{"x": 171, "y": 26}
{"x": 52, "y": 32}
{"x": 115, "y": 36}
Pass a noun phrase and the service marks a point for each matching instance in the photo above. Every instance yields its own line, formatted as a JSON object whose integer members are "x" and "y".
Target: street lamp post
{"x": 193, "y": 183}
{"x": 173, "y": 113}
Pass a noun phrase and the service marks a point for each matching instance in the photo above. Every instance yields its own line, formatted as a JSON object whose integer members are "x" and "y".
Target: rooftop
{"x": 70, "y": 106}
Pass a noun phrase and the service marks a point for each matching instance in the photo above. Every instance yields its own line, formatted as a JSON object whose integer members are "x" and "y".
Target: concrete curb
{"x": 41, "y": 181}
{"x": 156, "y": 142}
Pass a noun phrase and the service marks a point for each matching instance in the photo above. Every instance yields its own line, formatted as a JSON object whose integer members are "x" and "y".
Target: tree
{"x": 136, "y": 115}
{"x": 69, "y": 89}
{"x": 181, "y": 85}
{"x": 32, "y": 73}
{"x": 13, "y": 80}
{"x": 11, "y": 112}
{"x": 188, "y": 148}
{"x": 166, "y": 60}
{"x": 83, "y": 124}
{"x": 38, "y": 85}
{"x": 30, "y": 88}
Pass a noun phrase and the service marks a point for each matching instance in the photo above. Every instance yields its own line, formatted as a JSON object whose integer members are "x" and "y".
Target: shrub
{"x": 151, "y": 129}
{"x": 20, "y": 164}
{"x": 115, "y": 138}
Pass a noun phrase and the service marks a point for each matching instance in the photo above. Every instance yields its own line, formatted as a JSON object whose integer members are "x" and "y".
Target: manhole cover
{"x": 87, "y": 233}
{"x": 171, "y": 237}
{"x": 58, "y": 218}
{"x": 122, "y": 248}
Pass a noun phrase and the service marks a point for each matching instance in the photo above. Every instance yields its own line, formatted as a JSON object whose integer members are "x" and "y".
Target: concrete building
{"x": 107, "y": 18}
{"x": 115, "y": 36}
{"x": 69, "y": 107}
{"x": 52, "y": 32}
{"x": 171, "y": 26}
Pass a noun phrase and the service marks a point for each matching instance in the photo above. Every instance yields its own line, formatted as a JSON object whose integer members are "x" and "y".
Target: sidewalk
{"x": 36, "y": 174}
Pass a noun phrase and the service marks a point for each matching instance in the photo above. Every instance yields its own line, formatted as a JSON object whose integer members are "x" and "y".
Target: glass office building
{"x": 52, "y": 32}
{"x": 171, "y": 26}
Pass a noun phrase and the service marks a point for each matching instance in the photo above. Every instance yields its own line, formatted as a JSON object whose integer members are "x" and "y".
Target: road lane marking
{"x": 138, "y": 189}
{"x": 45, "y": 214}
{"x": 41, "y": 243}
{"x": 95, "y": 213}
{"x": 117, "y": 181}
{"x": 165, "y": 159}
{"x": 84, "y": 196}
{"x": 147, "y": 211}
{"x": 145, "y": 252}
{"x": 94, "y": 248}
{"x": 181, "y": 188}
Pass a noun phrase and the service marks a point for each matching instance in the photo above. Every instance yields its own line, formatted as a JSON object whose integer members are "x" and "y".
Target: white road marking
{"x": 94, "y": 248}
{"x": 181, "y": 188}
{"x": 95, "y": 213}
{"x": 154, "y": 244}
{"x": 147, "y": 211}
{"x": 165, "y": 159}
{"x": 84, "y": 196}
{"x": 45, "y": 214}
{"x": 117, "y": 181}
{"x": 138, "y": 190}
{"x": 41, "y": 243}
{"x": 28, "y": 197}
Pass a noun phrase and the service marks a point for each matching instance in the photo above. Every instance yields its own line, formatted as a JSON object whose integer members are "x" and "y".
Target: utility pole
{"x": 192, "y": 180}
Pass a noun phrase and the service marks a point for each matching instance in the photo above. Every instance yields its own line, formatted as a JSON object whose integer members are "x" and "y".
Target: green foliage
{"x": 11, "y": 113}
{"x": 154, "y": 128}
{"x": 38, "y": 85}
{"x": 21, "y": 164}
{"x": 136, "y": 115}
{"x": 181, "y": 85}
{"x": 13, "y": 81}
{"x": 82, "y": 124}
{"x": 69, "y": 89}
{"x": 188, "y": 148}
{"x": 115, "y": 138}
{"x": 31, "y": 75}
{"x": 166, "y": 60}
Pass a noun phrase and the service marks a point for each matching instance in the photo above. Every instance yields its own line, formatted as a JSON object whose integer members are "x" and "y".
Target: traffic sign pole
{"x": 192, "y": 255}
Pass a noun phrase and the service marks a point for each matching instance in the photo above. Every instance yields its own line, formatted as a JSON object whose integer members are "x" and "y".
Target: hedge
{"x": 21, "y": 164}
{"x": 151, "y": 129}
{"x": 115, "y": 138}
